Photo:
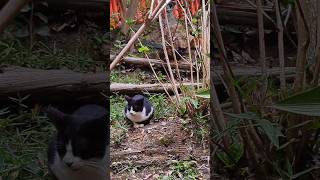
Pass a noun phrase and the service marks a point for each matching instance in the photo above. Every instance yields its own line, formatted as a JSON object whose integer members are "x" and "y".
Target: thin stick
{"x": 167, "y": 59}
{"x": 280, "y": 47}
{"x": 262, "y": 48}
{"x": 189, "y": 48}
{"x": 155, "y": 74}
{"x": 288, "y": 15}
{"x": 263, "y": 12}
{"x": 172, "y": 47}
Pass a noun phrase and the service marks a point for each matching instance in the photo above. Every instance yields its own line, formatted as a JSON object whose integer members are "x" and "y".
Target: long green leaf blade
{"x": 306, "y": 103}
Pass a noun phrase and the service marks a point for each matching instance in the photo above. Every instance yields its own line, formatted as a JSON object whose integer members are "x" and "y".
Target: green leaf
{"x": 304, "y": 172}
{"x": 4, "y": 111}
{"x": 25, "y": 9}
{"x": 22, "y": 32}
{"x": 194, "y": 103}
{"x": 306, "y": 103}
{"x": 130, "y": 22}
{"x": 272, "y": 130}
{"x": 43, "y": 31}
{"x": 204, "y": 94}
{"x": 235, "y": 152}
{"x": 194, "y": 20}
{"x": 143, "y": 49}
{"x": 247, "y": 115}
{"x": 42, "y": 17}
{"x": 315, "y": 125}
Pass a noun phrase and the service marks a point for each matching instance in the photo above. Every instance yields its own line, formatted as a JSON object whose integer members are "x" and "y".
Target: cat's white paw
{"x": 138, "y": 125}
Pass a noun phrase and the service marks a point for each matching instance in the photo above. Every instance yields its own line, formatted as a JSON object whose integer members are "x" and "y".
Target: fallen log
{"x": 245, "y": 15}
{"x": 83, "y": 5}
{"x": 123, "y": 88}
{"x": 244, "y": 70}
{"x": 52, "y": 86}
{"x": 156, "y": 62}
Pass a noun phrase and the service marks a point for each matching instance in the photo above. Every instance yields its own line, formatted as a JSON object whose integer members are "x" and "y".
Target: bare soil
{"x": 147, "y": 152}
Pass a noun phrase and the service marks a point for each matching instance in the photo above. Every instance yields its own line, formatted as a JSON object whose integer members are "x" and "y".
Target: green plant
{"x": 232, "y": 155}
{"x": 272, "y": 130}
{"x": 163, "y": 107}
{"x": 133, "y": 78}
{"x": 32, "y": 21}
{"x": 305, "y": 103}
{"x": 23, "y": 141}
{"x": 182, "y": 170}
{"x": 41, "y": 56}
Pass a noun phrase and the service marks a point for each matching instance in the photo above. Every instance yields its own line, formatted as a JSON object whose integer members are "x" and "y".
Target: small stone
{"x": 163, "y": 123}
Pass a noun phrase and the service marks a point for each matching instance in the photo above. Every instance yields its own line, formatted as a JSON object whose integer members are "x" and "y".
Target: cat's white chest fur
{"x": 138, "y": 116}
{"x": 62, "y": 172}
{"x": 96, "y": 170}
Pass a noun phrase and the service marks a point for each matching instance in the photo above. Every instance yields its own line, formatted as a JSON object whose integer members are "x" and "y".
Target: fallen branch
{"x": 123, "y": 88}
{"x": 145, "y": 62}
{"x": 83, "y": 5}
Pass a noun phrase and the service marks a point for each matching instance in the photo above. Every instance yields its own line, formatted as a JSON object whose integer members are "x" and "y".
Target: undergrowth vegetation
{"x": 45, "y": 54}
{"x": 23, "y": 143}
{"x": 163, "y": 109}
{"x": 270, "y": 130}
{"x": 24, "y": 130}
{"x": 182, "y": 170}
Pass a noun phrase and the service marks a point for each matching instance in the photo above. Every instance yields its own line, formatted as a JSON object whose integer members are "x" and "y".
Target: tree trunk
{"x": 303, "y": 43}
{"x": 316, "y": 72}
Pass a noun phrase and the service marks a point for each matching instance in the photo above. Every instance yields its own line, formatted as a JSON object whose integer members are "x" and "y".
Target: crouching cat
{"x": 139, "y": 110}
{"x": 80, "y": 149}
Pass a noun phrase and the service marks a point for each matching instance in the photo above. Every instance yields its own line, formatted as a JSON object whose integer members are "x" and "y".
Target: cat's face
{"x": 81, "y": 140}
{"x": 135, "y": 104}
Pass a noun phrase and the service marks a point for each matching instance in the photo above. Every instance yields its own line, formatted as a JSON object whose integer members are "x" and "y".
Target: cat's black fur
{"x": 137, "y": 104}
{"x": 86, "y": 133}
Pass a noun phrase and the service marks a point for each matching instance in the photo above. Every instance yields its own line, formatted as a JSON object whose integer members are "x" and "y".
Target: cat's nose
{"x": 69, "y": 164}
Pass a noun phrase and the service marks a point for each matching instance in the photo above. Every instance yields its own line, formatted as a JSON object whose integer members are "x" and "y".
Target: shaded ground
{"x": 151, "y": 151}
{"x": 24, "y": 130}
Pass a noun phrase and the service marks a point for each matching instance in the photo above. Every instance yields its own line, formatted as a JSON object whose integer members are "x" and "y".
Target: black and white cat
{"x": 139, "y": 110}
{"x": 80, "y": 149}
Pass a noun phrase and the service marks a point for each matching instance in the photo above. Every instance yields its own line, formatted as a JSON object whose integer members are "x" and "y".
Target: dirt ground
{"x": 146, "y": 153}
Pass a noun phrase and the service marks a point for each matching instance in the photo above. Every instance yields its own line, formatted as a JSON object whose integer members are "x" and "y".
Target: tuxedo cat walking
{"x": 79, "y": 150}
{"x": 139, "y": 110}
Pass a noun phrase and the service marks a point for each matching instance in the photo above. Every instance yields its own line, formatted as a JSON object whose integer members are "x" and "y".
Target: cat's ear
{"x": 57, "y": 117}
{"x": 97, "y": 127}
{"x": 128, "y": 98}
